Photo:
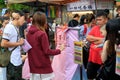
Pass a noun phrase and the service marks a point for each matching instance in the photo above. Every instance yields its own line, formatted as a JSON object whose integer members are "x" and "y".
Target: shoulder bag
{"x": 5, "y": 55}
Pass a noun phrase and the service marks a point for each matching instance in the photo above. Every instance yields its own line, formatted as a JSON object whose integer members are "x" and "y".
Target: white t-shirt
{"x": 11, "y": 34}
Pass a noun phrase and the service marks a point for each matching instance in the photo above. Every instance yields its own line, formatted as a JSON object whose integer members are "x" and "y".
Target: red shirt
{"x": 95, "y": 53}
{"x": 38, "y": 56}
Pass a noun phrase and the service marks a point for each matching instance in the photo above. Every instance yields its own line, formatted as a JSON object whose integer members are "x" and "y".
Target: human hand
{"x": 24, "y": 57}
{"x": 99, "y": 41}
{"x": 21, "y": 41}
{"x": 62, "y": 47}
{"x": 95, "y": 46}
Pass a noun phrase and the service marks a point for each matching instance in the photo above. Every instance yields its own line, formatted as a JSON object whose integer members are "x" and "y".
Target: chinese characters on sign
{"x": 104, "y": 4}
{"x": 78, "y": 52}
{"x": 81, "y": 5}
{"x": 90, "y": 5}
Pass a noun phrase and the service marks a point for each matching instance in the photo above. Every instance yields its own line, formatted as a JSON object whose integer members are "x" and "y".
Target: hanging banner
{"x": 81, "y": 5}
{"x": 58, "y": 11}
{"x": 51, "y": 12}
{"x": 60, "y": 36}
{"x": 78, "y": 52}
{"x": 63, "y": 64}
{"x": 46, "y": 12}
{"x": 23, "y": 1}
{"x": 104, "y": 4}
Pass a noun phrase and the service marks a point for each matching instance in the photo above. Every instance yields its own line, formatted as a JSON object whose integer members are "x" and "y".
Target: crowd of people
{"x": 98, "y": 30}
{"x": 13, "y": 32}
{"x": 103, "y": 37}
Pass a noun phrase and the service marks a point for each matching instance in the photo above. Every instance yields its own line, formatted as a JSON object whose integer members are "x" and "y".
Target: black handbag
{"x": 86, "y": 48}
{"x": 107, "y": 69}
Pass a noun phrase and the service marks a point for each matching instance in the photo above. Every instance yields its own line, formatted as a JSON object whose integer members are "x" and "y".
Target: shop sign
{"x": 104, "y": 4}
{"x": 78, "y": 52}
{"x": 117, "y": 69}
{"x": 81, "y": 5}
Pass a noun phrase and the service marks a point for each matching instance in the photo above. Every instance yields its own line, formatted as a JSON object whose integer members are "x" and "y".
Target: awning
{"x": 58, "y": 1}
{"x": 19, "y": 1}
{"x": 45, "y": 1}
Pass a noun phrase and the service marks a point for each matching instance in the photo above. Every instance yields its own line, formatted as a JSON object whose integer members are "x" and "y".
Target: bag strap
{"x": 13, "y": 48}
{"x": 16, "y": 40}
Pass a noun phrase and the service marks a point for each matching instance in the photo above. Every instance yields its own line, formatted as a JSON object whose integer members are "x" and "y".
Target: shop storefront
{"x": 63, "y": 10}
{"x": 54, "y": 9}
{"x": 87, "y": 6}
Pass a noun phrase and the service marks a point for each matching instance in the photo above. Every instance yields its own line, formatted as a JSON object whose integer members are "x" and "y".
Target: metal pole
{"x": 61, "y": 14}
{"x": 113, "y": 9}
{"x": 81, "y": 75}
{"x": 95, "y": 6}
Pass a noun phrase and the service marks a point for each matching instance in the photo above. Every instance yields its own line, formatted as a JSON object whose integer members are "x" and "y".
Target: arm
{"x": 81, "y": 33}
{"x": 104, "y": 52}
{"x": 95, "y": 40}
{"x": 45, "y": 46}
{"x": 6, "y": 38}
{"x": 7, "y": 43}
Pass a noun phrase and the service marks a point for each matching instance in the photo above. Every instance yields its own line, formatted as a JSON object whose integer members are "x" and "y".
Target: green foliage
{"x": 2, "y": 1}
{"x": 118, "y": 0}
{"x": 13, "y": 6}
{"x": 18, "y": 7}
{"x": 2, "y": 4}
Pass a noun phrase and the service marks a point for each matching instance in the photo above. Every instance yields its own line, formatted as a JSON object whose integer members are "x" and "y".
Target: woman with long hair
{"x": 38, "y": 56}
{"x": 109, "y": 49}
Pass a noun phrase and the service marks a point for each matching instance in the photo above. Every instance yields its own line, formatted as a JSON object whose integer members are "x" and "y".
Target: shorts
{"x": 92, "y": 69}
{"x": 48, "y": 76}
{"x": 14, "y": 72}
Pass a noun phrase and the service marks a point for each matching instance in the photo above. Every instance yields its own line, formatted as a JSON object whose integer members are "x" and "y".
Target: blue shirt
{"x": 82, "y": 35}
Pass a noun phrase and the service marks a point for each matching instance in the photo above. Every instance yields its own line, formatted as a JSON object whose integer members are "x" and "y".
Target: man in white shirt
{"x": 11, "y": 39}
